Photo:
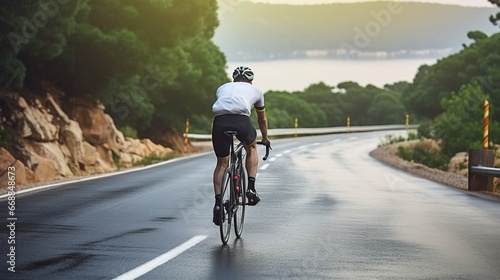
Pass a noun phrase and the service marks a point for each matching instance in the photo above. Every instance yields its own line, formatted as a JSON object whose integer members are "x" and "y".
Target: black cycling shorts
{"x": 239, "y": 123}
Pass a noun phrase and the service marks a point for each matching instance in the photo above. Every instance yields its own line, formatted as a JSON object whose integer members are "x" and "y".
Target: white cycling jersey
{"x": 237, "y": 98}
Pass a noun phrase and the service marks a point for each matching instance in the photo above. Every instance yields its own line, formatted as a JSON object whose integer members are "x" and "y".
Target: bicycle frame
{"x": 235, "y": 178}
{"x": 233, "y": 201}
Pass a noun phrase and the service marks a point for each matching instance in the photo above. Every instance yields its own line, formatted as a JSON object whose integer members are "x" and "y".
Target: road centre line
{"x": 265, "y": 166}
{"x": 162, "y": 259}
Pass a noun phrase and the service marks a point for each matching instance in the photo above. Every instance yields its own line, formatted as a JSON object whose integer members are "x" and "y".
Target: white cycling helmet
{"x": 243, "y": 71}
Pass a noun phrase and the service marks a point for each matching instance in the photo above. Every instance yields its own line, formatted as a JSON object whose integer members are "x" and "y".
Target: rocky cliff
{"x": 46, "y": 143}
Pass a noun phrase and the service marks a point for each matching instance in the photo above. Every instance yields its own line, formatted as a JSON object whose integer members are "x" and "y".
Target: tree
{"x": 308, "y": 113}
{"x": 386, "y": 108}
{"x": 495, "y": 18}
{"x": 330, "y": 103}
{"x": 460, "y": 126}
{"x": 32, "y": 32}
{"x": 478, "y": 62}
{"x": 151, "y": 62}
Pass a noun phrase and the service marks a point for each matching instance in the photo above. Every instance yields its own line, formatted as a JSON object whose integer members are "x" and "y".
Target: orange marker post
{"x": 186, "y": 138}
{"x": 486, "y": 125}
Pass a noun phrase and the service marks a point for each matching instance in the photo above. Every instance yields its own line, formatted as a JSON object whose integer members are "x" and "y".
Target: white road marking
{"x": 287, "y": 151}
{"x": 94, "y": 177}
{"x": 265, "y": 166}
{"x": 279, "y": 155}
{"x": 353, "y": 138}
{"x": 272, "y": 159}
{"x": 154, "y": 263}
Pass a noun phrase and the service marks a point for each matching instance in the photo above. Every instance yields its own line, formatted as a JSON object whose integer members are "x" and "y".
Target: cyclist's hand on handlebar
{"x": 266, "y": 143}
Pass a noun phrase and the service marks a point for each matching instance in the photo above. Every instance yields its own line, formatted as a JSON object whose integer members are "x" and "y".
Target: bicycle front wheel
{"x": 225, "y": 207}
{"x": 241, "y": 199}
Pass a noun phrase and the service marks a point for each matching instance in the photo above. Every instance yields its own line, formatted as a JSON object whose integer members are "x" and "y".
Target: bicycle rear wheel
{"x": 241, "y": 199}
{"x": 225, "y": 205}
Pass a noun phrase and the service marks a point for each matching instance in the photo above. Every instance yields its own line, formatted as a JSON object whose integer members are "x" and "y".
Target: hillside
{"x": 257, "y": 31}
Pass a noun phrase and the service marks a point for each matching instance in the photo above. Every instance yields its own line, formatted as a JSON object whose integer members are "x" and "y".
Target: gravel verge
{"x": 388, "y": 155}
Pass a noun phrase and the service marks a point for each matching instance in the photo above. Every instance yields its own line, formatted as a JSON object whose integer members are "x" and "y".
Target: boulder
{"x": 155, "y": 149}
{"x": 37, "y": 123}
{"x": 136, "y": 147}
{"x": 23, "y": 175}
{"x": 46, "y": 170}
{"x": 52, "y": 152}
{"x": 97, "y": 127}
{"x": 72, "y": 137}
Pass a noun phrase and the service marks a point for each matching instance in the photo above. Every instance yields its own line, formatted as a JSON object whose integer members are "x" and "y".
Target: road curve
{"x": 328, "y": 211}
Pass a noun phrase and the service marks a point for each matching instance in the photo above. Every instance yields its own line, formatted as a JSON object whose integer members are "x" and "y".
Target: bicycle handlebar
{"x": 268, "y": 147}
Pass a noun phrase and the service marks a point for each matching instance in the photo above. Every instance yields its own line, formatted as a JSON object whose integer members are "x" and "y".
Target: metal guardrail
{"x": 315, "y": 131}
{"x": 491, "y": 171}
{"x": 481, "y": 170}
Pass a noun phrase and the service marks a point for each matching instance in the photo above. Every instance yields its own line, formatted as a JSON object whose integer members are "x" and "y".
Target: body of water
{"x": 298, "y": 74}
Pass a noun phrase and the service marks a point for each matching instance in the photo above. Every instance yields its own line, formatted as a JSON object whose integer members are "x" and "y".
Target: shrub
{"x": 5, "y": 139}
{"x": 129, "y": 132}
{"x": 425, "y": 152}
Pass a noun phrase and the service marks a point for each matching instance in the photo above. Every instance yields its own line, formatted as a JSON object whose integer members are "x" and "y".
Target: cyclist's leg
{"x": 220, "y": 143}
{"x": 251, "y": 166}
{"x": 249, "y": 137}
{"x": 221, "y": 166}
{"x": 252, "y": 160}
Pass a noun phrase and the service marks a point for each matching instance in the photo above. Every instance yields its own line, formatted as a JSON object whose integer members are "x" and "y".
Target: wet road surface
{"x": 328, "y": 211}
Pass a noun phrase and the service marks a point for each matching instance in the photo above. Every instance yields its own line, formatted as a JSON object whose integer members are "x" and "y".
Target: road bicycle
{"x": 234, "y": 187}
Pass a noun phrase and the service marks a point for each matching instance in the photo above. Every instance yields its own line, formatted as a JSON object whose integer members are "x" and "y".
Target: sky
{"x": 472, "y": 3}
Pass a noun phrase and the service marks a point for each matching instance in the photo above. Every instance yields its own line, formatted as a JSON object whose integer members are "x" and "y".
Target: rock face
{"x": 49, "y": 144}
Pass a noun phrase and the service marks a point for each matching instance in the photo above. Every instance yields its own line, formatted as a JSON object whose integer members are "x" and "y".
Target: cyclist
{"x": 232, "y": 110}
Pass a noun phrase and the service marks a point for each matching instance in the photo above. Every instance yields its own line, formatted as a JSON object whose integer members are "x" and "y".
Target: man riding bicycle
{"x": 232, "y": 110}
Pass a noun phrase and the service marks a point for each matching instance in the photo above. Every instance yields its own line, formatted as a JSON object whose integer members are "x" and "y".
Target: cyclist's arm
{"x": 262, "y": 121}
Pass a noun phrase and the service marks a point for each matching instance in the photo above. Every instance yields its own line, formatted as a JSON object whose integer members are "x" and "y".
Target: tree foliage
{"x": 460, "y": 126}
{"x": 477, "y": 62}
{"x": 321, "y": 105}
{"x": 150, "y": 62}
{"x": 496, "y": 17}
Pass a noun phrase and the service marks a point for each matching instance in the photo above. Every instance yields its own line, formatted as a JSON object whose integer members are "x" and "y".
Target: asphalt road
{"x": 328, "y": 211}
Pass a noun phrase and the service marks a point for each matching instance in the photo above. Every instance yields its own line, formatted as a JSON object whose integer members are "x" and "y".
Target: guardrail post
{"x": 186, "y": 138}
{"x": 407, "y": 121}
{"x": 480, "y": 157}
{"x": 296, "y": 125}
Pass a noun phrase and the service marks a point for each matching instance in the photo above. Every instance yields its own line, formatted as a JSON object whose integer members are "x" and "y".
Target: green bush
{"x": 391, "y": 139}
{"x": 129, "y": 132}
{"x": 426, "y": 129}
{"x": 5, "y": 139}
{"x": 425, "y": 154}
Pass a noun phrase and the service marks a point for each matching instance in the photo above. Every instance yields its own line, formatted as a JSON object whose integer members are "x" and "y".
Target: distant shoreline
{"x": 298, "y": 74}
{"x": 343, "y": 54}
